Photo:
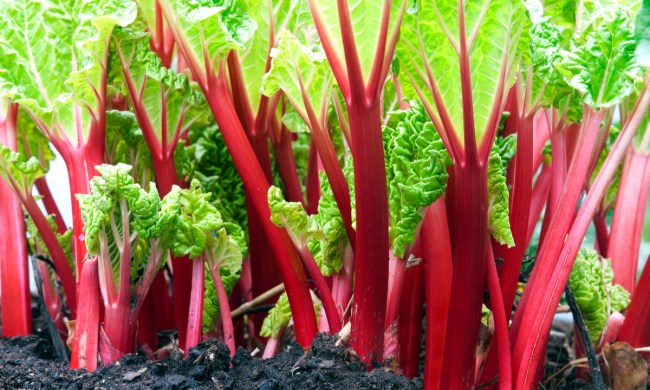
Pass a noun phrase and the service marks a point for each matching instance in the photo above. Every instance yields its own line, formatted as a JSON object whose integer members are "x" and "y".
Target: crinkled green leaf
{"x": 600, "y": 63}
{"x": 116, "y": 201}
{"x": 293, "y": 65}
{"x": 591, "y": 282}
{"x": 492, "y": 54}
{"x": 197, "y": 222}
{"x": 50, "y": 71}
{"x": 21, "y": 171}
{"x": 416, "y": 170}
{"x": 209, "y": 29}
{"x": 498, "y": 196}
{"x": 278, "y": 318}
{"x": 293, "y": 217}
{"x": 125, "y": 144}
{"x": 212, "y": 165}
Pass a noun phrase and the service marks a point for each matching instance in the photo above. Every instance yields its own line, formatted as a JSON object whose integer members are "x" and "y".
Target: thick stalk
{"x": 410, "y": 321}
{"x": 468, "y": 202}
{"x": 257, "y": 186}
{"x": 602, "y": 234}
{"x": 367, "y": 336}
{"x": 438, "y": 270}
{"x": 118, "y": 333}
{"x": 14, "y": 269}
{"x": 195, "y": 316}
{"x": 85, "y": 344}
{"x": 538, "y": 200}
{"x": 627, "y": 223}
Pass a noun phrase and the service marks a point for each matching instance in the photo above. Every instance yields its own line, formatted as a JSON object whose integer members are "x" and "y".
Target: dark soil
{"x": 31, "y": 363}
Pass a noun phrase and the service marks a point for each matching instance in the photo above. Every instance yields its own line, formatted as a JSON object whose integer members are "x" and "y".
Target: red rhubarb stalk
{"x": 84, "y": 346}
{"x": 636, "y": 328}
{"x": 410, "y": 321}
{"x": 437, "y": 257}
{"x": 501, "y": 340}
{"x": 224, "y": 309}
{"x": 16, "y": 300}
{"x": 195, "y": 315}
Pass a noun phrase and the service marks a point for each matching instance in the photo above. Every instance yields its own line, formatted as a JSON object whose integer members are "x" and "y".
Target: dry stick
{"x": 241, "y": 310}
{"x": 580, "y": 361}
{"x": 594, "y": 368}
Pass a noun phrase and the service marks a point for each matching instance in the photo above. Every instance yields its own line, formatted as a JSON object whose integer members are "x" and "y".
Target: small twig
{"x": 246, "y": 307}
{"x": 596, "y": 375}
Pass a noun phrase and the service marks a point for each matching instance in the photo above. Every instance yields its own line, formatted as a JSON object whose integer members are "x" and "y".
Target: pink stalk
{"x": 195, "y": 315}
{"x": 629, "y": 214}
{"x": 224, "y": 309}
{"x": 16, "y": 300}
{"x": 271, "y": 348}
{"x": 86, "y": 332}
{"x": 438, "y": 268}
{"x": 546, "y": 290}
{"x": 636, "y": 328}
{"x": 410, "y": 321}
{"x": 501, "y": 340}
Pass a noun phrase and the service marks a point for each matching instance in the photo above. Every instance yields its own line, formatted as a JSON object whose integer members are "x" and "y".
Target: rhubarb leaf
{"x": 600, "y": 63}
{"x": 166, "y": 103}
{"x": 416, "y": 166}
{"x": 125, "y": 144}
{"x": 18, "y": 171}
{"x": 591, "y": 282}
{"x": 277, "y": 319}
{"x": 430, "y": 38}
{"x": 293, "y": 217}
{"x": 642, "y": 34}
{"x": 287, "y": 15}
{"x": 207, "y": 30}
{"x": 212, "y": 165}
{"x": 498, "y": 196}
{"x": 51, "y": 71}
{"x": 295, "y": 67}
{"x": 366, "y": 20}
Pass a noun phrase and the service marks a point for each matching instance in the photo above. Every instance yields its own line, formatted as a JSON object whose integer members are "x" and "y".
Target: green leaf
{"x": 51, "y": 71}
{"x": 294, "y": 64}
{"x": 416, "y": 170}
{"x": 498, "y": 196}
{"x": 591, "y": 282}
{"x": 212, "y": 165}
{"x": 366, "y": 18}
{"x": 430, "y": 34}
{"x": 601, "y": 64}
{"x": 289, "y": 15}
{"x": 278, "y": 318}
{"x": 198, "y": 219}
{"x": 208, "y": 30}
{"x": 642, "y": 34}
{"x": 116, "y": 203}
{"x": 293, "y": 217}
{"x": 125, "y": 144}
{"x": 18, "y": 171}
{"x": 166, "y": 102}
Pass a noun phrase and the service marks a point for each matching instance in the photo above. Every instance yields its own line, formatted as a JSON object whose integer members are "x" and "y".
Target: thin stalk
{"x": 629, "y": 215}
{"x": 538, "y": 200}
{"x": 500, "y": 342}
{"x": 224, "y": 309}
{"x": 50, "y": 205}
{"x": 636, "y": 328}
{"x": 324, "y": 293}
{"x": 602, "y": 234}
